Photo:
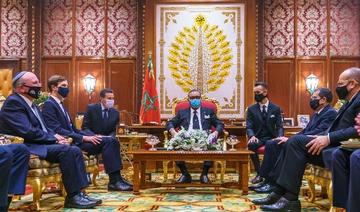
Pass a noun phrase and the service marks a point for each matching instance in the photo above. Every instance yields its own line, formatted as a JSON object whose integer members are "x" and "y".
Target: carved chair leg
{"x": 37, "y": 187}
{"x": 312, "y": 191}
{"x": 94, "y": 175}
{"x": 330, "y": 195}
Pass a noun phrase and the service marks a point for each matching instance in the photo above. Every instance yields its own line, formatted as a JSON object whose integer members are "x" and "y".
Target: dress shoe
{"x": 79, "y": 201}
{"x": 119, "y": 186}
{"x": 283, "y": 205}
{"x": 184, "y": 178}
{"x": 256, "y": 179}
{"x": 125, "y": 182}
{"x": 265, "y": 189}
{"x": 204, "y": 179}
{"x": 270, "y": 199}
{"x": 97, "y": 201}
{"x": 252, "y": 187}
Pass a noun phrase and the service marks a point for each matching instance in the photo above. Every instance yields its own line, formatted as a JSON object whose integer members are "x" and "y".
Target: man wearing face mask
{"x": 21, "y": 117}
{"x": 101, "y": 120}
{"x": 263, "y": 123}
{"x": 195, "y": 117}
{"x": 321, "y": 119}
{"x": 302, "y": 149}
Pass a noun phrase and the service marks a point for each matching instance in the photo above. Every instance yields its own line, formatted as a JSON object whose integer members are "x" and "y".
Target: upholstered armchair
{"x": 183, "y": 104}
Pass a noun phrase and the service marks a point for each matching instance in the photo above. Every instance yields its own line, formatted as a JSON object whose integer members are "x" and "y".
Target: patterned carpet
{"x": 162, "y": 199}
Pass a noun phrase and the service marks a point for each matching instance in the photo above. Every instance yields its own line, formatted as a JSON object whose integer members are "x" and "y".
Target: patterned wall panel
{"x": 14, "y": 28}
{"x": 57, "y": 27}
{"x": 122, "y": 27}
{"x": 312, "y": 27}
{"x": 279, "y": 28}
{"x": 345, "y": 27}
{"x": 90, "y": 27}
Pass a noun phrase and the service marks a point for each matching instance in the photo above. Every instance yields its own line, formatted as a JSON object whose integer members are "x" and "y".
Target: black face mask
{"x": 342, "y": 91}
{"x": 314, "y": 103}
{"x": 34, "y": 91}
{"x": 259, "y": 97}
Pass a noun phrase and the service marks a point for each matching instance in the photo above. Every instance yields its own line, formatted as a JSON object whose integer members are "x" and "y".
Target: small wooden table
{"x": 141, "y": 156}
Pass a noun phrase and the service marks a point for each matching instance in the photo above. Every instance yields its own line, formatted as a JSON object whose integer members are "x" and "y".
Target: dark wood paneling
{"x": 60, "y": 67}
{"x": 13, "y": 64}
{"x": 338, "y": 65}
{"x": 279, "y": 74}
{"x": 121, "y": 78}
{"x": 305, "y": 67}
{"x": 95, "y": 67}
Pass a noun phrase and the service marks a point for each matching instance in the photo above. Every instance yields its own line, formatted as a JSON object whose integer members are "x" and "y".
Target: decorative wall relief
{"x": 57, "y": 28}
{"x": 201, "y": 46}
{"x": 14, "y": 28}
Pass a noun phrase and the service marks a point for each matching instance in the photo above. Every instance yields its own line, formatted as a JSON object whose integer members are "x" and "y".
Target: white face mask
{"x": 109, "y": 103}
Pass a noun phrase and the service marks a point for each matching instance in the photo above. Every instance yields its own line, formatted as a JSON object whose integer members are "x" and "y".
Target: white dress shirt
{"x": 198, "y": 114}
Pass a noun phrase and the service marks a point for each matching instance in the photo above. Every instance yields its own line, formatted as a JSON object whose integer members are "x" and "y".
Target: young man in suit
{"x": 321, "y": 119}
{"x": 21, "y": 117}
{"x": 57, "y": 118}
{"x": 302, "y": 149}
{"x": 195, "y": 117}
{"x": 14, "y": 162}
{"x": 263, "y": 123}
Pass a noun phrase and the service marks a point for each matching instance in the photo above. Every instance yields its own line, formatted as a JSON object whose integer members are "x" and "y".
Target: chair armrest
{"x": 10, "y": 139}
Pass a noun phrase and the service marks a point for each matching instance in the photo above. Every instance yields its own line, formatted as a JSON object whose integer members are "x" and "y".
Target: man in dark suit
{"x": 345, "y": 176}
{"x": 263, "y": 123}
{"x": 101, "y": 120}
{"x": 14, "y": 160}
{"x": 20, "y": 117}
{"x": 320, "y": 121}
{"x": 195, "y": 117}
{"x": 302, "y": 149}
{"x": 57, "y": 118}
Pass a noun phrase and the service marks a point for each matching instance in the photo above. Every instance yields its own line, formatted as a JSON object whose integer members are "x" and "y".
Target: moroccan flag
{"x": 150, "y": 110}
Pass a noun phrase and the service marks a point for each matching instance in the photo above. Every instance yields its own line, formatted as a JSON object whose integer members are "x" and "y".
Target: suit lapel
{"x": 29, "y": 110}
{"x": 258, "y": 112}
{"x": 342, "y": 110}
{"x": 202, "y": 117}
{"x": 269, "y": 110}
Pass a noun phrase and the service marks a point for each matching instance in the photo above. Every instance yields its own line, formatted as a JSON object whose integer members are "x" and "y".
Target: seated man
{"x": 302, "y": 149}
{"x": 101, "y": 120}
{"x": 20, "y": 117}
{"x": 14, "y": 162}
{"x": 345, "y": 176}
{"x": 58, "y": 119}
{"x": 263, "y": 123}
{"x": 323, "y": 116}
{"x": 195, "y": 118}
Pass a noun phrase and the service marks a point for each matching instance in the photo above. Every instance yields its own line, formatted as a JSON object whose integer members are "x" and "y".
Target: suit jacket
{"x": 17, "y": 118}
{"x": 343, "y": 128}
{"x": 94, "y": 123}
{"x": 59, "y": 122}
{"x": 254, "y": 120}
{"x": 319, "y": 123}
{"x": 208, "y": 118}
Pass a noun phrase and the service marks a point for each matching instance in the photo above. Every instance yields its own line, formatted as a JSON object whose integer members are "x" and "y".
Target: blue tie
{"x": 105, "y": 114}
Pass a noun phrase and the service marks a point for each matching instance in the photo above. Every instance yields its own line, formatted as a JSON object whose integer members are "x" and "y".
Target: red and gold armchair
{"x": 181, "y": 104}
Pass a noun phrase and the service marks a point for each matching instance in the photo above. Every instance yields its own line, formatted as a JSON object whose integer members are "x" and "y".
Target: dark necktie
{"x": 105, "y": 113}
{"x": 263, "y": 112}
{"x": 195, "y": 121}
{"x": 38, "y": 117}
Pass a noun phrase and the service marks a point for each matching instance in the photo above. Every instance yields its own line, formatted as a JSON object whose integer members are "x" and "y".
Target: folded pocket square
{"x": 272, "y": 116}
{"x": 207, "y": 116}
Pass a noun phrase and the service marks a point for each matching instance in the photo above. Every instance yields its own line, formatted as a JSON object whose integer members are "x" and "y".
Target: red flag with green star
{"x": 150, "y": 110}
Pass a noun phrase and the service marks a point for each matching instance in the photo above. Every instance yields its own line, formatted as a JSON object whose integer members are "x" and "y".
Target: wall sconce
{"x": 312, "y": 83}
{"x": 89, "y": 84}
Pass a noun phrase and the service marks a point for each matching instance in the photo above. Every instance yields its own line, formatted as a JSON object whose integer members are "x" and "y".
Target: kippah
{"x": 18, "y": 76}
